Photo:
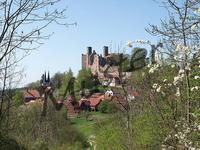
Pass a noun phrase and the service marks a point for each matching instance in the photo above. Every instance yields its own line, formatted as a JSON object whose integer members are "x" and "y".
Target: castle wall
{"x": 94, "y": 61}
{"x": 84, "y": 61}
{"x": 95, "y": 66}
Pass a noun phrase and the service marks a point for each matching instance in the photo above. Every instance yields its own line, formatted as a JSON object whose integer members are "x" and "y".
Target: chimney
{"x": 89, "y": 50}
{"x": 105, "y": 51}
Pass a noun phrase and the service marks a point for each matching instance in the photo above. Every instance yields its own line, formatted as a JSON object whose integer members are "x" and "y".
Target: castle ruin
{"x": 98, "y": 63}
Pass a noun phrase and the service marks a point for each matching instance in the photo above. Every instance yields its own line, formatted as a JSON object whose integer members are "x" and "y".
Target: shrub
{"x": 40, "y": 145}
{"x": 112, "y": 108}
{"x": 107, "y": 107}
{"x": 54, "y": 128}
{"x": 7, "y": 143}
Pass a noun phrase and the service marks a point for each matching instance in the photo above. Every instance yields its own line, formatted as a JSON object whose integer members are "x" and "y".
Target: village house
{"x": 31, "y": 95}
{"x": 118, "y": 97}
{"x": 72, "y": 106}
{"x": 90, "y": 103}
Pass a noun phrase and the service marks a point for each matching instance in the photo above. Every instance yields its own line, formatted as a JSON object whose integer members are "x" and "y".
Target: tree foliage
{"x": 18, "y": 98}
{"x": 138, "y": 58}
{"x": 28, "y": 128}
{"x": 60, "y": 82}
{"x": 85, "y": 79}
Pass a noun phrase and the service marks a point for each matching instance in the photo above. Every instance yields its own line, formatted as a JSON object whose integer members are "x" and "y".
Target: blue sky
{"x": 99, "y": 23}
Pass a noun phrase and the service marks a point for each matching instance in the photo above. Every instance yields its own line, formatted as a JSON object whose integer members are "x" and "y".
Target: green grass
{"x": 86, "y": 127}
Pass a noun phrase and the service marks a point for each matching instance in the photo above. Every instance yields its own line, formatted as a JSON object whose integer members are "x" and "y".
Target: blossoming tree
{"x": 181, "y": 38}
{"x": 174, "y": 85}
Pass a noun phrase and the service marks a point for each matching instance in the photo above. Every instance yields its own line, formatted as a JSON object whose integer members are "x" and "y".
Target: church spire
{"x": 48, "y": 78}
{"x": 45, "y": 77}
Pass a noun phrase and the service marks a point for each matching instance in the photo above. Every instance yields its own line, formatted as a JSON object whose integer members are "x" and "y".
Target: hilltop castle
{"x": 98, "y": 63}
{"x": 93, "y": 60}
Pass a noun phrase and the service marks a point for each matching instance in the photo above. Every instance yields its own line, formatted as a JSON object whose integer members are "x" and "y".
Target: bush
{"x": 40, "y": 145}
{"x": 110, "y": 136}
{"x": 18, "y": 98}
{"x": 147, "y": 132}
{"x": 7, "y": 143}
{"x": 54, "y": 128}
{"x": 112, "y": 108}
{"x": 107, "y": 107}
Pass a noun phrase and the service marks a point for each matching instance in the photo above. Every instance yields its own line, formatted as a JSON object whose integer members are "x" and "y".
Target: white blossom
{"x": 178, "y": 94}
{"x": 187, "y": 68}
{"x": 172, "y": 66}
{"x": 175, "y": 58}
{"x": 179, "y": 78}
{"x": 169, "y": 84}
{"x": 194, "y": 88}
{"x": 176, "y": 80}
{"x": 143, "y": 74}
{"x": 182, "y": 135}
{"x": 182, "y": 48}
{"x": 165, "y": 80}
{"x": 196, "y": 77}
{"x": 198, "y": 127}
{"x": 197, "y": 10}
{"x": 158, "y": 89}
{"x": 181, "y": 71}
{"x": 149, "y": 65}
{"x": 194, "y": 27}
{"x": 153, "y": 68}
{"x": 163, "y": 93}
{"x": 130, "y": 98}
{"x": 181, "y": 57}
{"x": 155, "y": 85}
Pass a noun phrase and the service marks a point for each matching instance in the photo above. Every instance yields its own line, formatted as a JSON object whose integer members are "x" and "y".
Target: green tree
{"x": 22, "y": 29}
{"x": 126, "y": 63}
{"x": 85, "y": 80}
{"x": 18, "y": 98}
{"x": 57, "y": 80}
{"x": 60, "y": 81}
{"x": 107, "y": 107}
{"x": 34, "y": 85}
{"x": 29, "y": 129}
{"x": 138, "y": 58}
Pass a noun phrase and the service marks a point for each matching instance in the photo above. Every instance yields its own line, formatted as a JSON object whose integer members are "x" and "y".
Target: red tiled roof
{"x": 72, "y": 107}
{"x": 93, "y": 100}
{"x": 31, "y": 94}
{"x": 134, "y": 93}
